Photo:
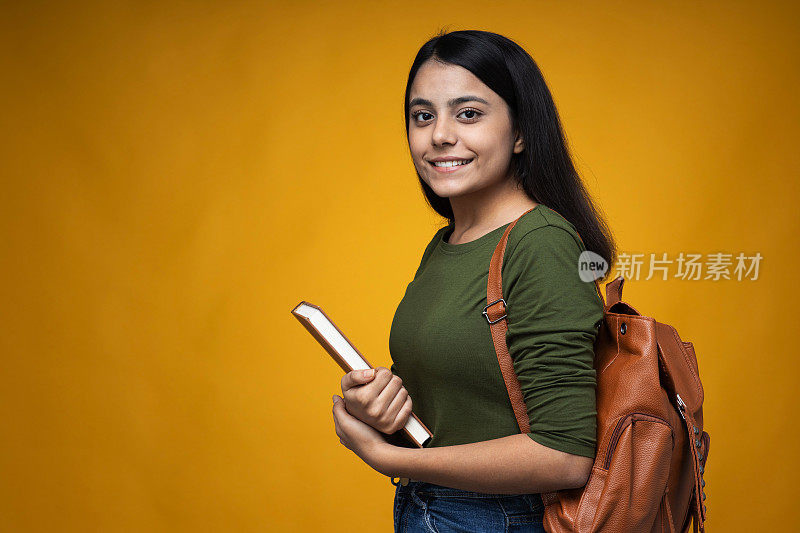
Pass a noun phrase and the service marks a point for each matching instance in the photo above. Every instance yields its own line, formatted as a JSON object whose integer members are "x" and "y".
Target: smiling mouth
{"x": 449, "y": 165}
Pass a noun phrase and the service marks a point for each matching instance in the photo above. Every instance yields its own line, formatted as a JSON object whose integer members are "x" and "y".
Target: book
{"x": 349, "y": 358}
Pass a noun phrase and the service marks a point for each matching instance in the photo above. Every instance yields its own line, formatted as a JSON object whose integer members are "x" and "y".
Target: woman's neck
{"x": 475, "y": 217}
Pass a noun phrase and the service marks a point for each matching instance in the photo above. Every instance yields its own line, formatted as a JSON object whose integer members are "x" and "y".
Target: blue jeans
{"x": 424, "y": 507}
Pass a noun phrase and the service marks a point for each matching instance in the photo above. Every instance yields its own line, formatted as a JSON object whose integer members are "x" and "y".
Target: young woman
{"x": 488, "y": 148}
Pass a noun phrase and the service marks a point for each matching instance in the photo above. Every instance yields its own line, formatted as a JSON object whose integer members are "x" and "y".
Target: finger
{"x": 397, "y": 404}
{"x": 389, "y": 392}
{"x": 403, "y": 415}
{"x": 382, "y": 376}
{"x": 336, "y": 401}
{"x": 378, "y": 404}
{"x": 368, "y": 392}
{"x": 335, "y": 417}
{"x": 340, "y": 408}
{"x": 356, "y": 377}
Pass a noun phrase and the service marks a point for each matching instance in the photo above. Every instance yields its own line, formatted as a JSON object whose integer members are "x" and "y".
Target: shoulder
{"x": 544, "y": 258}
{"x": 437, "y": 235}
{"x": 435, "y": 239}
{"x": 541, "y": 274}
{"x": 543, "y": 230}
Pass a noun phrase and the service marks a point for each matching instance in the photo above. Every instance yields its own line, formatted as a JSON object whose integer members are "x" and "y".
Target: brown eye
{"x": 419, "y": 113}
{"x": 474, "y": 114}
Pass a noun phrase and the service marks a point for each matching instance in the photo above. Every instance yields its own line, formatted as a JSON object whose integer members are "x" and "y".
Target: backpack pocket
{"x": 627, "y": 491}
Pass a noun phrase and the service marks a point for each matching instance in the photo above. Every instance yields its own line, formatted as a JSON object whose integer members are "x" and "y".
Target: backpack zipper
{"x": 681, "y": 406}
{"x": 698, "y": 486}
{"x": 618, "y": 432}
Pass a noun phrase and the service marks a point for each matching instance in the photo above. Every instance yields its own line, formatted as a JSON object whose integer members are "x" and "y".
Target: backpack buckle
{"x": 484, "y": 313}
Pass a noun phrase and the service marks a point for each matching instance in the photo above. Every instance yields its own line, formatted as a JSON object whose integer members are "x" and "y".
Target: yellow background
{"x": 176, "y": 176}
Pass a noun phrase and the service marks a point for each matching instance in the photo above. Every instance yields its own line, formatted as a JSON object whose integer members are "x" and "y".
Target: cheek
{"x": 416, "y": 145}
{"x": 490, "y": 144}
{"x": 417, "y": 150}
{"x": 484, "y": 139}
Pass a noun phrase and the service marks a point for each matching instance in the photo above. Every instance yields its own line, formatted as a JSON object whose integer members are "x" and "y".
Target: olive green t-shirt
{"x": 441, "y": 345}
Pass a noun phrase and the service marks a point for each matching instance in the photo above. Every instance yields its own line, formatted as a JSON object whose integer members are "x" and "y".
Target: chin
{"x": 450, "y": 192}
{"x": 447, "y": 186}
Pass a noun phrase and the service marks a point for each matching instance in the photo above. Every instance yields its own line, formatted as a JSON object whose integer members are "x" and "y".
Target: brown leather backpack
{"x": 651, "y": 447}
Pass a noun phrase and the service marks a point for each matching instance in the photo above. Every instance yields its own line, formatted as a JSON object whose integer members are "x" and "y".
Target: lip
{"x": 447, "y": 170}
{"x": 448, "y": 158}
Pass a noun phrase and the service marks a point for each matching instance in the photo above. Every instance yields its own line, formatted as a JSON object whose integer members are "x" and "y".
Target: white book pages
{"x": 332, "y": 335}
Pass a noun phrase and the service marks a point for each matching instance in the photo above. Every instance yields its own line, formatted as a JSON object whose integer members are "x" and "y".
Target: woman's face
{"x": 455, "y": 115}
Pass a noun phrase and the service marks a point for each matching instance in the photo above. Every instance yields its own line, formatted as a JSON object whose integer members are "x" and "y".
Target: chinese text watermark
{"x": 685, "y": 266}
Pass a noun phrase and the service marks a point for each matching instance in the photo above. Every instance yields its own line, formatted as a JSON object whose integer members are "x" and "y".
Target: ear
{"x": 519, "y": 144}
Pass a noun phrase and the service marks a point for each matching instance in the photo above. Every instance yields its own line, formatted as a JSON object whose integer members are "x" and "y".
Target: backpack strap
{"x": 614, "y": 291}
{"x": 495, "y": 313}
{"x": 496, "y": 316}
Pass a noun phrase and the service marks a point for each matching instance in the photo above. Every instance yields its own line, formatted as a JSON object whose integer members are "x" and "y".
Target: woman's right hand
{"x": 379, "y": 399}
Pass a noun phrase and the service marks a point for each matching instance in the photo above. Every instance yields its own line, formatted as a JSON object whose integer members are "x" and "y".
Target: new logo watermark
{"x": 591, "y": 266}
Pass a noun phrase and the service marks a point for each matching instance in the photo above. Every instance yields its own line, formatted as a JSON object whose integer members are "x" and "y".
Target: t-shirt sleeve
{"x": 553, "y": 319}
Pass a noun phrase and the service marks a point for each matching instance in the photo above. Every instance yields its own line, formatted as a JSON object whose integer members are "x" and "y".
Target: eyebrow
{"x": 451, "y": 103}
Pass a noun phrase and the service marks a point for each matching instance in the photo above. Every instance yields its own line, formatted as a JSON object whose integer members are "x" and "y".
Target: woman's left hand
{"x": 362, "y": 439}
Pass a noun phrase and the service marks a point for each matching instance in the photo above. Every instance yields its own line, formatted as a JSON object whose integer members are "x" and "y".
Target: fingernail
{"x": 368, "y": 373}
{"x": 333, "y": 398}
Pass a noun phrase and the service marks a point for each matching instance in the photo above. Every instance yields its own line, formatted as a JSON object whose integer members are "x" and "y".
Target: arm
{"x": 508, "y": 465}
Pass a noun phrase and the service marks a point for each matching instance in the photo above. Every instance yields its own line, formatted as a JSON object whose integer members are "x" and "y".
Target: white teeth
{"x": 451, "y": 163}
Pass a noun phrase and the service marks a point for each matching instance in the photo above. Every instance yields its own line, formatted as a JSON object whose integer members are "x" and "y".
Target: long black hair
{"x": 544, "y": 168}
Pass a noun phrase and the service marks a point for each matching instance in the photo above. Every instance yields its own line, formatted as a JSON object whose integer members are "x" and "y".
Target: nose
{"x": 443, "y": 132}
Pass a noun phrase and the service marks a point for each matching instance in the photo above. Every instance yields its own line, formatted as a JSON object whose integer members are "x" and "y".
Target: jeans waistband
{"x": 425, "y": 488}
